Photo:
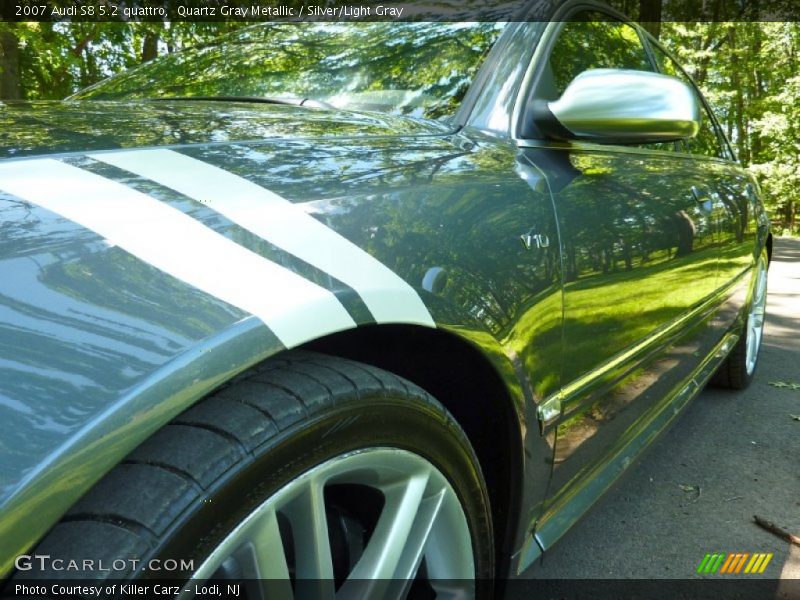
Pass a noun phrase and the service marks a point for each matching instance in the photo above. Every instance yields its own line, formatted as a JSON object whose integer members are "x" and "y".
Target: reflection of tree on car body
{"x": 358, "y": 310}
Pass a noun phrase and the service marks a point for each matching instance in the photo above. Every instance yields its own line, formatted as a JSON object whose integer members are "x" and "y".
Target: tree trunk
{"x": 686, "y": 232}
{"x": 650, "y": 16}
{"x": 150, "y": 46}
{"x": 742, "y": 136}
{"x": 754, "y": 91}
{"x": 10, "y": 88}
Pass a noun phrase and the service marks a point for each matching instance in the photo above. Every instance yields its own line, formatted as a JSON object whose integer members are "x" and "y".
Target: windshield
{"x": 415, "y": 69}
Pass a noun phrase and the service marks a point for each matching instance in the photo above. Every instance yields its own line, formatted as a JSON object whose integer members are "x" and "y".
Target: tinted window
{"x": 706, "y": 141}
{"x": 591, "y": 42}
{"x": 415, "y": 69}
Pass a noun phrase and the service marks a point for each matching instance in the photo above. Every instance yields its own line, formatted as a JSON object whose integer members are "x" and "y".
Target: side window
{"x": 591, "y": 41}
{"x": 707, "y": 140}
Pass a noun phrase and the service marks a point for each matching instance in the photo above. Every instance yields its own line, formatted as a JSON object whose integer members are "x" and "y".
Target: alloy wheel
{"x": 755, "y": 318}
{"x": 378, "y": 522}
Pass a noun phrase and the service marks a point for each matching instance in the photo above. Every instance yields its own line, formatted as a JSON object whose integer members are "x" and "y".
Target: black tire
{"x": 733, "y": 372}
{"x": 183, "y": 490}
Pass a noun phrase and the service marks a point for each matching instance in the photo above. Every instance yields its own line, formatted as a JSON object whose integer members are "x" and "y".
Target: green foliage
{"x": 748, "y": 71}
{"x": 57, "y": 59}
{"x": 421, "y": 69}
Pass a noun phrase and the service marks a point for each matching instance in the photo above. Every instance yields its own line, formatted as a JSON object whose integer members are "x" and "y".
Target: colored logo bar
{"x": 734, "y": 562}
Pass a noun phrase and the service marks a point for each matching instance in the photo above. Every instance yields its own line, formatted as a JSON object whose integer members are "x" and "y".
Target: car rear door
{"x": 638, "y": 232}
{"x": 731, "y": 191}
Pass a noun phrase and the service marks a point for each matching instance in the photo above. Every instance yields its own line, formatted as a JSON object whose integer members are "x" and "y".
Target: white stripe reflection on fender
{"x": 282, "y": 223}
{"x": 175, "y": 243}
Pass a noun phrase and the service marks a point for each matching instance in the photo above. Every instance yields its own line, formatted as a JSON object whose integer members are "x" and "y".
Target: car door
{"x": 638, "y": 236}
{"x": 732, "y": 193}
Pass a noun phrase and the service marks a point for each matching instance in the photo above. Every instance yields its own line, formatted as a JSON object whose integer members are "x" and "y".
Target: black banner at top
{"x": 376, "y": 10}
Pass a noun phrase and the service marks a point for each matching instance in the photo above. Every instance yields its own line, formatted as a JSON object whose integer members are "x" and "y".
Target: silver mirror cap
{"x": 625, "y": 106}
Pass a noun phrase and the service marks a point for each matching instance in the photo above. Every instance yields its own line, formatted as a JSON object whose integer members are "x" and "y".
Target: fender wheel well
{"x": 466, "y": 383}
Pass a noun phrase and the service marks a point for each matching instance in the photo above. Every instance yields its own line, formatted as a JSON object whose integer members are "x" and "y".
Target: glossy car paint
{"x": 99, "y": 349}
{"x": 109, "y": 350}
{"x": 635, "y": 337}
{"x": 623, "y": 354}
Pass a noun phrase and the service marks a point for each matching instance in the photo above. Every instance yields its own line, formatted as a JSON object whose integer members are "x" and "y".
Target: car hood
{"x": 36, "y": 128}
{"x": 113, "y": 282}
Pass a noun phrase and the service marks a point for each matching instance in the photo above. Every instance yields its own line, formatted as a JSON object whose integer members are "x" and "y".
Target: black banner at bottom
{"x": 734, "y": 588}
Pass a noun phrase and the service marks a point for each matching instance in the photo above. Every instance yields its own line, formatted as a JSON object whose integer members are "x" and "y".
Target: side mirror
{"x": 623, "y": 106}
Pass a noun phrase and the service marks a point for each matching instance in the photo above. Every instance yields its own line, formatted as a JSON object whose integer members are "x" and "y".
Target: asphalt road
{"x": 741, "y": 449}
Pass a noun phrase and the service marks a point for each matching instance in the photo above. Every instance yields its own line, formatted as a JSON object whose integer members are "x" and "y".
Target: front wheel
{"x": 313, "y": 477}
{"x": 738, "y": 369}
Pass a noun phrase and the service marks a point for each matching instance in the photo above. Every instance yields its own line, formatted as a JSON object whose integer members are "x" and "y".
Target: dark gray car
{"x": 326, "y": 306}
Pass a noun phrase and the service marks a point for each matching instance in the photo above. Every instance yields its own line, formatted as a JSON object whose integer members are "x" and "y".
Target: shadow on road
{"x": 787, "y": 250}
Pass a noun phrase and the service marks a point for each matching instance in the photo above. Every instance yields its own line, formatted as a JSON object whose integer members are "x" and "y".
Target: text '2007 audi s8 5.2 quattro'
{"x": 322, "y": 306}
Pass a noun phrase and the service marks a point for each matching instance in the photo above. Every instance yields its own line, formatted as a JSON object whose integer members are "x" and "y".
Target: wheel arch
{"x": 476, "y": 387}
{"x": 483, "y": 403}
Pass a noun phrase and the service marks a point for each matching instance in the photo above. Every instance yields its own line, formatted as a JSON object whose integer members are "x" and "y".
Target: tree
{"x": 748, "y": 71}
{"x": 10, "y": 87}
{"x": 746, "y": 68}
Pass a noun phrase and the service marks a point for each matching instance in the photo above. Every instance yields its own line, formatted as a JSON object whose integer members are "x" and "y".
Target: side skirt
{"x": 576, "y": 504}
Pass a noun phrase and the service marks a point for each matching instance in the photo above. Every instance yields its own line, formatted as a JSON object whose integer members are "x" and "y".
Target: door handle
{"x": 701, "y": 194}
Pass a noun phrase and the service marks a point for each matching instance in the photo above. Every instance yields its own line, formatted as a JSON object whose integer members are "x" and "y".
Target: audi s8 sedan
{"x": 370, "y": 309}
